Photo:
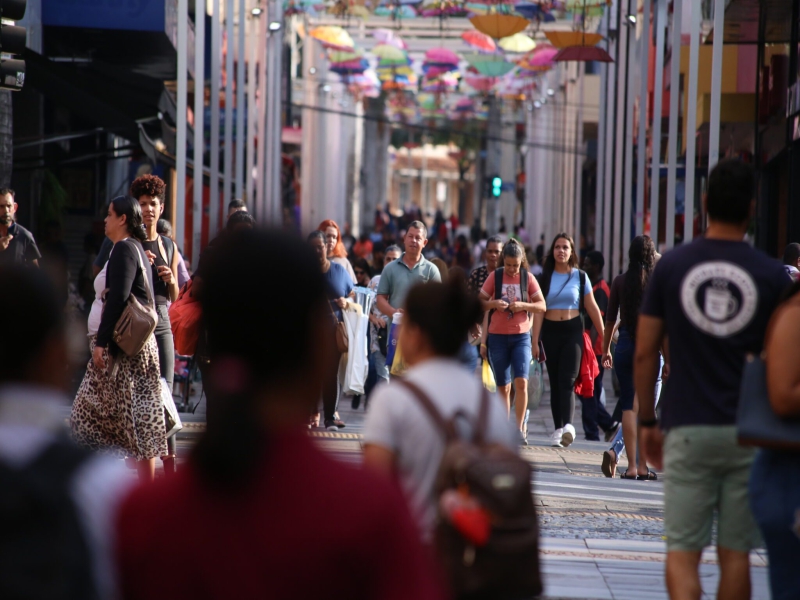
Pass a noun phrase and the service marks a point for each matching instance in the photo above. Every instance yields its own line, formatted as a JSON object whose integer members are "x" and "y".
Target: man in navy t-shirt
{"x": 712, "y": 299}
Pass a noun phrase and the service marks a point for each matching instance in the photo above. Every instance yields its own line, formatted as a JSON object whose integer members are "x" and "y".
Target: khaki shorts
{"x": 707, "y": 472}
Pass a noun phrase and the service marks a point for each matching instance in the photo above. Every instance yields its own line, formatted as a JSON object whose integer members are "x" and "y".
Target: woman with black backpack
{"x": 512, "y": 295}
{"x": 568, "y": 292}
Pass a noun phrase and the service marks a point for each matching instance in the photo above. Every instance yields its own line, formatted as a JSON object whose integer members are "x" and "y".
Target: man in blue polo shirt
{"x": 16, "y": 243}
{"x": 401, "y": 275}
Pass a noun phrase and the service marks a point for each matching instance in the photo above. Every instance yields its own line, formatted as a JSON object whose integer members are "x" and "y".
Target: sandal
{"x": 609, "y": 466}
{"x": 624, "y": 475}
{"x": 651, "y": 476}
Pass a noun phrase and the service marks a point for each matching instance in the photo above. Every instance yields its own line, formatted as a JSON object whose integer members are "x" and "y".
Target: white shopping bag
{"x": 171, "y": 417}
{"x": 356, "y": 368}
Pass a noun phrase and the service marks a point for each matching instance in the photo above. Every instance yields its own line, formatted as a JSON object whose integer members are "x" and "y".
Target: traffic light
{"x": 497, "y": 186}
{"x": 13, "y": 39}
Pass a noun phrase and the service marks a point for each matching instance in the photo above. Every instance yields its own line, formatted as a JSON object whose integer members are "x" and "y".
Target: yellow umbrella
{"x": 519, "y": 43}
{"x": 389, "y": 52}
{"x": 563, "y": 39}
{"x": 339, "y": 56}
{"x": 332, "y": 37}
{"x": 498, "y": 25}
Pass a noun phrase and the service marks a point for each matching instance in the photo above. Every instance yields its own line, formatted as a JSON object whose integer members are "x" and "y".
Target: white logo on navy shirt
{"x": 719, "y": 298}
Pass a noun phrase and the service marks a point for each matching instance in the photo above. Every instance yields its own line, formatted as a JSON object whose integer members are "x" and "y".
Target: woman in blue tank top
{"x": 561, "y": 330}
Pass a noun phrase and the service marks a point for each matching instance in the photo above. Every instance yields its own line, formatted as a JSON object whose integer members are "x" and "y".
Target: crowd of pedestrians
{"x": 269, "y": 359}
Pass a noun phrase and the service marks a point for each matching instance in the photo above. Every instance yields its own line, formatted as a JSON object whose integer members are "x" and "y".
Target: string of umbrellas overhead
{"x": 499, "y": 58}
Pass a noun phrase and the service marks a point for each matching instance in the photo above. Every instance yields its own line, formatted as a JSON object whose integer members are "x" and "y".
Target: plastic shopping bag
{"x": 172, "y": 419}
{"x": 391, "y": 346}
{"x": 398, "y": 364}
{"x": 488, "y": 377}
{"x": 356, "y": 366}
{"x": 535, "y": 384}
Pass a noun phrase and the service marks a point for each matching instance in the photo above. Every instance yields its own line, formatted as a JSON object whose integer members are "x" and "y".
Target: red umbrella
{"x": 479, "y": 40}
{"x": 582, "y": 54}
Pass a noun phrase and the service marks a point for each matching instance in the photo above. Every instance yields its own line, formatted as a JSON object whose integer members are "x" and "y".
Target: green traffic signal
{"x": 497, "y": 186}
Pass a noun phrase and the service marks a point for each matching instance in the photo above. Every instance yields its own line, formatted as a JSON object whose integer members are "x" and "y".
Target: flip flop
{"x": 624, "y": 475}
{"x": 651, "y": 476}
{"x": 609, "y": 466}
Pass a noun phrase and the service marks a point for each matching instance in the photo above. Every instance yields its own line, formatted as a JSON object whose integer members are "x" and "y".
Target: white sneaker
{"x": 568, "y": 435}
{"x": 555, "y": 439}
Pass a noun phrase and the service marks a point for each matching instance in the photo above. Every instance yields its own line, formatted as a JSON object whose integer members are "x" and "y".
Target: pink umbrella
{"x": 441, "y": 56}
{"x": 387, "y": 36}
{"x": 437, "y": 71}
{"x": 542, "y": 56}
{"x": 479, "y": 40}
{"x": 481, "y": 84}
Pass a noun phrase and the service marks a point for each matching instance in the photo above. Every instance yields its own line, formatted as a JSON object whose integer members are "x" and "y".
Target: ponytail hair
{"x": 445, "y": 312}
{"x": 515, "y": 249}
{"x": 127, "y": 206}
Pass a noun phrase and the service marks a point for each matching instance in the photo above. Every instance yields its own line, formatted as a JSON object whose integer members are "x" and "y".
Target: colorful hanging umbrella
{"x": 396, "y": 12}
{"x": 587, "y": 8}
{"x": 389, "y": 37}
{"x": 563, "y": 39}
{"x": 542, "y": 56}
{"x": 436, "y": 71}
{"x": 479, "y": 40}
{"x": 490, "y": 65}
{"x": 351, "y": 67}
{"x": 582, "y": 54}
{"x": 441, "y": 57}
{"x": 442, "y": 8}
{"x": 388, "y": 63}
{"x": 339, "y": 56}
{"x": 519, "y": 43}
{"x": 534, "y": 12}
{"x": 332, "y": 37}
{"x": 388, "y": 52}
{"x": 481, "y": 83}
{"x": 498, "y": 25}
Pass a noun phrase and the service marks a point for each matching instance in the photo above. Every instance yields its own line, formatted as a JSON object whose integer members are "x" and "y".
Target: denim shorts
{"x": 507, "y": 352}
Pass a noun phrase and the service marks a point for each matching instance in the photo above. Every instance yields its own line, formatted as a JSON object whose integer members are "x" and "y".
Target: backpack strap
{"x": 498, "y": 290}
{"x": 581, "y": 295}
{"x": 523, "y": 284}
{"x": 446, "y": 427}
{"x": 482, "y": 423}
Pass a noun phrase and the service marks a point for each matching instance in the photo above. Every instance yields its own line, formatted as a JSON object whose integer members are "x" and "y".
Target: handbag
{"x": 342, "y": 341}
{"x": 138, "y": 321}
{"x": 756, "y": 422}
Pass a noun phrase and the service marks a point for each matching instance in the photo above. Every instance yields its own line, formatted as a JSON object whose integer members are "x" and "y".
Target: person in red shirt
{"x": 260, "y": 511}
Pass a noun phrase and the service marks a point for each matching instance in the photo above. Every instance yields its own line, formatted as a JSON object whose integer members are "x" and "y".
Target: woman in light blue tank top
{"x": 561, "y": 329}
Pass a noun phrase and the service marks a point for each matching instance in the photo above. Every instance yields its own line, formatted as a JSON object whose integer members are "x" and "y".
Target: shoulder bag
{"x": 342, "y": 341}
{"x": 756, "y": 422}
{"x": 138, "y": 321}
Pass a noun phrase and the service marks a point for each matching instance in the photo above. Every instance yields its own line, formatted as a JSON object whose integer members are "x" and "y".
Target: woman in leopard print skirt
{"x": 119, "y": 409}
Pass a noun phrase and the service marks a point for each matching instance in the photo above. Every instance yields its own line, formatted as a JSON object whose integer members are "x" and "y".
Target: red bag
{"x": 184, "y": 315}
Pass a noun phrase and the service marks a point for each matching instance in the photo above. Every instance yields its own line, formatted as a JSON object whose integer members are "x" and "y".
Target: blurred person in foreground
{"x": 712, "y": 299}
{"x": 58, "y": 500}
{"x": 400, "y": 437}
{"x": 775, "y": 480}
{"x": 255, "y": 480}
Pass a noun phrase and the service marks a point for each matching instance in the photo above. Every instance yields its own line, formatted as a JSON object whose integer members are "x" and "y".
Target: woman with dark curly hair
{"x": 149, "y": 191}
{"x": 627, "y": 292}
{"x": 119, "y": 409}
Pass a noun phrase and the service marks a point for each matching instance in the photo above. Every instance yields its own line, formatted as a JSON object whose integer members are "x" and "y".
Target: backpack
{"x": 487, "y": 534}
{"x": 43, "y": 552}
{"x": 498, "y": 287}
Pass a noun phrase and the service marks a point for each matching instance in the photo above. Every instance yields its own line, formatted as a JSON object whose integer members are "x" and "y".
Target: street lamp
{"x": 275, "y": 26}
{"x": 256, "y": 12}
